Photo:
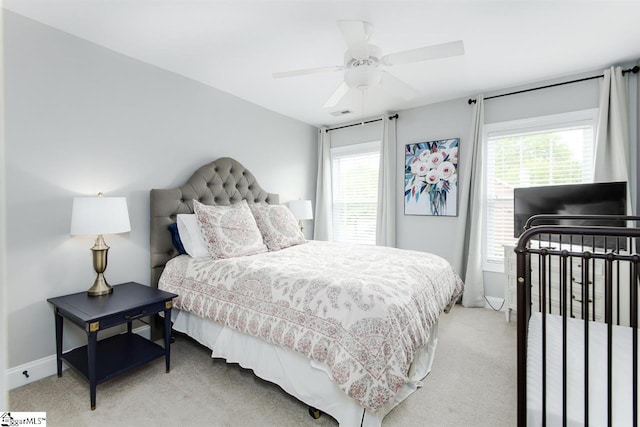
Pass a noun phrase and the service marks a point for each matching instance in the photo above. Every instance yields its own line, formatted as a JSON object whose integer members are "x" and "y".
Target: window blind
{"x": 355, "y": 192}
{"x": 548, "y": 155}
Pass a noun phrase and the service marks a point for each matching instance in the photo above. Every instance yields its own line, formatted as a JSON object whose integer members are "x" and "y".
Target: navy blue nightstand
{"x": 102, "y": 360}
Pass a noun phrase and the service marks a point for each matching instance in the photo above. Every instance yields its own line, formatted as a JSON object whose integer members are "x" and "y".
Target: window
{"x": 546, "y": 150}
{"x": 354, "y": 171}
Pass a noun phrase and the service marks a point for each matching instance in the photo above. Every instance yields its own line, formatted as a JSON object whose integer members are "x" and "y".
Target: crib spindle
{"x": 563, "y": 305}
{"x": 585, "y": 317}
{"x": 634, "y": 326}
{"x": 608, "y": 314}
{"x": 543, "y": 310}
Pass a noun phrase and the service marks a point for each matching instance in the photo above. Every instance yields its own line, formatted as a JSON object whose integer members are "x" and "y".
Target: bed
{"x": 349, "y": 330}
{"x": 578, "y": 321}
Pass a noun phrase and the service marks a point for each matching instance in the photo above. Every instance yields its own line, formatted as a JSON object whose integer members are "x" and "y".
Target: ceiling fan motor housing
{"x": 361, "y": 73}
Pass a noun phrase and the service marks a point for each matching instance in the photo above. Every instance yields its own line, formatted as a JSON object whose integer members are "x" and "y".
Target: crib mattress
{"x": 622, "y": 373}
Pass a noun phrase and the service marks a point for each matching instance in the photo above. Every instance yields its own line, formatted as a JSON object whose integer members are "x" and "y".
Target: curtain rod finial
{"x": 471, "y": 101}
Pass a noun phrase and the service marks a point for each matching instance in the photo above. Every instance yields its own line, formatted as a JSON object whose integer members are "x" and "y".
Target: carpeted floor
{"x": 472, "y": 383}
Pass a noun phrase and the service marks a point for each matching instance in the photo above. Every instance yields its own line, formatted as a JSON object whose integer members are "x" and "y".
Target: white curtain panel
{"x": 323, "y": 222}
{"x": 386, "y": 210}
{"x": 611, "y": 162}
{"x": 469, "y": 262}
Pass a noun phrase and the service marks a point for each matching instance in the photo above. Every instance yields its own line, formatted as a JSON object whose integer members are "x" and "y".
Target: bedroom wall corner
{"x": 80, "y": 119}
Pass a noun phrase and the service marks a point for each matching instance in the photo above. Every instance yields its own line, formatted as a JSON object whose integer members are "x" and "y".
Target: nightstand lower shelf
{"x": 114, "y": 356}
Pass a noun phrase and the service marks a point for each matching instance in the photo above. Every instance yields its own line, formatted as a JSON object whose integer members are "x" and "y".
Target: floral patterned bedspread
{"x": 362, "y": 310}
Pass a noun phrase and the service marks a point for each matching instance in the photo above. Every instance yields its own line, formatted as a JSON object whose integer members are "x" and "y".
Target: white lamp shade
{"x": 301, "y": 209}
{"x": 99, "y": 215}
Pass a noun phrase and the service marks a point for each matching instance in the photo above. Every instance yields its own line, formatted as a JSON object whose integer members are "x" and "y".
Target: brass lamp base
{"x": 100, "y": 285}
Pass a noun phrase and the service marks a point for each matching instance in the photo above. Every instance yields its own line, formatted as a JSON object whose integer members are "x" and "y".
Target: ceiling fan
{"x": 364, "y": 62}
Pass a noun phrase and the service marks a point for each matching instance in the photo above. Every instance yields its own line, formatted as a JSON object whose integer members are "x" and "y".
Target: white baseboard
{"x": 36, "y": 370}
{"x": 495, "y": 302}
{"x": 46, "y": 366}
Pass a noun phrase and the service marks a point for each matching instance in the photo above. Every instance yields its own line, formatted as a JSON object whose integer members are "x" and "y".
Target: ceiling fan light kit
{"x": 364, "y": 63}
{"x": 363, "y": 77}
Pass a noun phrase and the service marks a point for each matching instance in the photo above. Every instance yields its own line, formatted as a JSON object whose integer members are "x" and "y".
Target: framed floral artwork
{"x": 431, "y": 178}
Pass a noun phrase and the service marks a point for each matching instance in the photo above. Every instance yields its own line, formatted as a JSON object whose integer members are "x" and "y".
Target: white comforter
{"x": 362, "y": 310}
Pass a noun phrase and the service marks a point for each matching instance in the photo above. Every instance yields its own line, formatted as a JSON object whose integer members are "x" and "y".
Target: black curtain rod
{"x": 395, "y": 116}
{"x": 633, "y": 70}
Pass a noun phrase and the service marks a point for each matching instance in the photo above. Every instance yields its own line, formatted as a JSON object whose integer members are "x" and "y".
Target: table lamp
{"x": 99, "y": 215}
{"x": 301, "y": 209}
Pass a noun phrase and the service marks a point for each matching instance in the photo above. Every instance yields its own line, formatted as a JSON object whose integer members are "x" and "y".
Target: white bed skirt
{"x": 302, "y": 378}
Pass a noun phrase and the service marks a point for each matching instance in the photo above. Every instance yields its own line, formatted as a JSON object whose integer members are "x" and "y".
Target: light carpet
{"x": 472, "y": 383}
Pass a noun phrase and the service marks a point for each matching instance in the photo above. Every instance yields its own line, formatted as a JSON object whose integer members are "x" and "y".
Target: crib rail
{"x": 585, "y": 272}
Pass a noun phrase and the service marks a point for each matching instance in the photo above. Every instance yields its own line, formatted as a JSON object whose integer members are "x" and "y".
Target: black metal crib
{"x": 577, "y": 311}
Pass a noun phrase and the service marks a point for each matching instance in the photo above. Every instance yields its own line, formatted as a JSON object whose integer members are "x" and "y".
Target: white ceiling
{"x": 235, "y": 46}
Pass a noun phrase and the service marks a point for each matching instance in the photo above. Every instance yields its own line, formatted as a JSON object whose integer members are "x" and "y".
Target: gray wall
{"x": 4, "y": 401}
{"x": 356, "y": 134}
{"x": 83, "y": 119}
{"x": 452, "y": 119}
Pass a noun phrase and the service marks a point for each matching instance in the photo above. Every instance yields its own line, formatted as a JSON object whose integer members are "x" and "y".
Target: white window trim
{"x": 524, "y": 126}
{"x": 537, "y": 124}
{"x": 357, "y": 148}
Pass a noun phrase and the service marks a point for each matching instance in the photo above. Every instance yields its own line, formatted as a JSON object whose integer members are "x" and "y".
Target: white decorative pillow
{"x": 191, "y": 236}
{"x": 229, "y": 231}
{"x": 278, "y": 226}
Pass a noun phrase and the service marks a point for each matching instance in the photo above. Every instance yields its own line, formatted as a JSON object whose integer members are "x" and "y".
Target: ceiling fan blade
{"x": 396, "y": 86}
{"x": 307, "y": 71}
{"x": 437, "y": 51}
{"x": 356, "y": 34}
{"x": 337, "y": 96}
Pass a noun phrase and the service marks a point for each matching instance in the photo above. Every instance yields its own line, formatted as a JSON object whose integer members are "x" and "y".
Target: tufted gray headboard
{"x": 222, "y": 182}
